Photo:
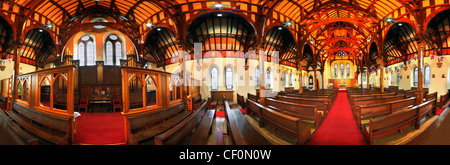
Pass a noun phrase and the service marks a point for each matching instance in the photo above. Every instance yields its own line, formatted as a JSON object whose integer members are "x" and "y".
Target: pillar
{"x": 421, "y": 45}
{"x": 367, "y": 77}
{"x": 300, "y": 77}
{"x": 262, "y": 78}
{"x": 14, "y": 82}
{"x": 323, "y": 77}
{"x": 315, "y": 77}
{"x": 382, "y": 78}
{"x": 362, "y": 72}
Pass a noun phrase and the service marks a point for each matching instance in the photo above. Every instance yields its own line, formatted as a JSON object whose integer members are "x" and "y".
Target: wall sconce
{"x": 246, "y": 64}
{"x": 439, "y": 64}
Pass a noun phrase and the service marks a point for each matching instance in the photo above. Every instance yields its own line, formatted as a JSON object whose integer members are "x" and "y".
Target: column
{"x": 367, "y": 76}
{"x": 382, "y": 78}
{"x": 14, "y": 82}
{"x": 262, "y": 78}
{"x": 421, "y": 45}
{"x": 362, "y": 72}
{"x": 300, "y": 77}
{"x": 323, "y": 77}
{"x": 315, "y": 77}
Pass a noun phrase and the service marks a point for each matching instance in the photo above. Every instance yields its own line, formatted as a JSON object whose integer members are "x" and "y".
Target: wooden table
{"x": 104, "y": 105}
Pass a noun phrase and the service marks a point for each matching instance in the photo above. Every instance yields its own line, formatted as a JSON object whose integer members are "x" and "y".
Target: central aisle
{"x": 339, "y": 126}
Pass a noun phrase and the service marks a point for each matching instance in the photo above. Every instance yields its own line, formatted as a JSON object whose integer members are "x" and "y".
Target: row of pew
{"x": 173, "y": 125}
{"x": 298, "y": 115}
{"x": 382, "y": 114}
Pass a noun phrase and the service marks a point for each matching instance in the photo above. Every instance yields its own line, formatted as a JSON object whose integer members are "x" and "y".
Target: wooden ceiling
{"x": 320, "y": 23}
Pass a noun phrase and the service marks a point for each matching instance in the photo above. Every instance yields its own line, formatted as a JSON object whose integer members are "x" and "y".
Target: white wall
{"x": 438, "y": 84}
{"x": 243, "y": 80}
{"x": 9, "y": 70}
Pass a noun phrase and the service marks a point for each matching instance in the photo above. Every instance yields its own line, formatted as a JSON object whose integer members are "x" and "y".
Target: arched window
{"x": 335, "y": 70}
{"x": 391, "y": 79}
{"x": 257, "y": 78}
{"x": 229, "y": 78}
{"x": 81, "y": 55}
{"x": 267, "y": 78}
{"x": 291, "y": 79}
{"x": 416, "y": 76}
{"x": 364, "y": 77}
{"x": 214, "y": 79}
{"x": 398, "y": 77}
{"x": 113, "y": 49}
{"x": 348, "y": 70}
{"x": 427, "y": 76}
{"x": 90, "y": 55}
{"x": 284, "y": 79}
{"x": 342, "y": 70}
{"x": 86, "y": 52}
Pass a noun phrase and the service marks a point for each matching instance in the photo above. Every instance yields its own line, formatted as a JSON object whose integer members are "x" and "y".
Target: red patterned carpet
{"x": 339, "y": 126}
{"x": 100, "y": 129}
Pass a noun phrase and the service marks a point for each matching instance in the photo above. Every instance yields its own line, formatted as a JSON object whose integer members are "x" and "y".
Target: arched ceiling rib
{"x": 311, "y": 18}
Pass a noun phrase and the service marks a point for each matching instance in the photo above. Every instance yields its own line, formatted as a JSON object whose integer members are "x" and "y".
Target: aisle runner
{"x": 339, "y": 127}
{"x": 100, "y": 128}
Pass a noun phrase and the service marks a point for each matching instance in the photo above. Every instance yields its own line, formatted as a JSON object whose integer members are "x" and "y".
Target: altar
{"x": 342, "y": 83}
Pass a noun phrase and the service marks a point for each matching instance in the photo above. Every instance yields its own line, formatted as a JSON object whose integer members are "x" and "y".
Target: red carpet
{"x": 100, "y": 128}
{"x": 439, "y": 110}
{"x": 339, "y": 126}
{"x": 222, "y": 113}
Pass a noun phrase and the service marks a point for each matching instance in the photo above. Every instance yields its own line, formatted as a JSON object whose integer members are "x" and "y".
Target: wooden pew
{"x": 427, "y": 107}
{"x": 145, "y": 126}
{"x": 366, "y": 112}
{"x": 2, "y": 102}
{"x": 252, "y": 97}
{"x": 54, "y": 129}
{"x": 320, "y": 103}
{"x": 254, "y": 107}
{"x": 306, "y": 112}
{"x": 194, "y": 130}
{"x": 393, "y": 88}
{"x": 361, "y": 102}
{"x": 197, "y": 101}
{"x": 430, "y": 96}
{"x": 241, "y": 131}
{"x": 12, "y": 134}
{"x": 352, "y": 97}
{"x": 288, "y": 124}
{"x": 424, "y": 89}
{"x": 240, "y": 100}
{"x": 328, "y": 99}
{"x": 390, "y": 124}
{"x": 444, "y": 99}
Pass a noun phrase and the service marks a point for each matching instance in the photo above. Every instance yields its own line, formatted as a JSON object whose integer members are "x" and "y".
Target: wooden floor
{"x": 440, "y": 134}
{"x": 408, "y": 134}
